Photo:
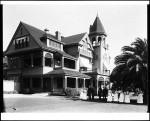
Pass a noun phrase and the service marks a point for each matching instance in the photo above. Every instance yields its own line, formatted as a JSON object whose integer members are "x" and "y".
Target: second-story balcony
{"x": 86, "y": 53}
{"x": 95, "y": 70}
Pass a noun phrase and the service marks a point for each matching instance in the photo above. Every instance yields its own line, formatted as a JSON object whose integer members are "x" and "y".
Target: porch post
{"x": 31, "y": 83}
{"x": 43, "y": 60}
{"x": 84, "y": 83}
{"x": 52, "y": 84}
{"x": 62, "y": 62}
{"x": 31, "y": 60}
{"x": 65, "y": 82}
{"x": 77, "y": 83}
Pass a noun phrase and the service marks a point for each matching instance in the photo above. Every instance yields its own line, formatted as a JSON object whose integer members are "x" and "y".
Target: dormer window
{"x": 21, "y": 42}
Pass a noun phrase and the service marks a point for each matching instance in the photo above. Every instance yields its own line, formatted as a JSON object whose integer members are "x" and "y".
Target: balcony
{"x": 86, "y": 53}
{"x": 106, "y": 72}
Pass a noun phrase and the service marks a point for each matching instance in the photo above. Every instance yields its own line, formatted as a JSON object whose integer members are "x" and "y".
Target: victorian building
{"x": 41, "y": 61}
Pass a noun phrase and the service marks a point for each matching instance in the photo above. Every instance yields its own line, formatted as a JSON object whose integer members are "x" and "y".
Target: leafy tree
{"x": 131, "y": 66}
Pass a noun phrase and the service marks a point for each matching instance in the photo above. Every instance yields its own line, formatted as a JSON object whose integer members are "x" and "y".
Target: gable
{"x": 22, "y": 40}
{"x": 86, "y": 43}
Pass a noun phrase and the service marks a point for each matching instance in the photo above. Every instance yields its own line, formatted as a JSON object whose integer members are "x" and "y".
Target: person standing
{"x": 109, "y": 98}
{"x": 121, "y": 98}
{"x": 116, "y": 96}
{"x": 89, "y": 92}
{"x": 140, "y": 97}
{"x": 81, "y": 93}
{"x": 127, "y": 98}
{"x": 104, "y": 93}
{"x": 100, "y": 92}
{"x": 92, "y": 92}
{"x": 84, "y": 94}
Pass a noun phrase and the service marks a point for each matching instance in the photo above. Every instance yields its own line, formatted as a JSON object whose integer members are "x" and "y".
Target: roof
{"x": 74, "y": 39}
{"x": 37, "y": 34}
{"x": 68, "y": 73}
{"x": 65, "y": 54}
{"x": 97, "y": 27}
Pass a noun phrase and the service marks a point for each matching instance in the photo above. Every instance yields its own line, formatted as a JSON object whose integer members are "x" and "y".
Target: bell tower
{"x": 97, "y": 33}
{"x": 97, "y": 37}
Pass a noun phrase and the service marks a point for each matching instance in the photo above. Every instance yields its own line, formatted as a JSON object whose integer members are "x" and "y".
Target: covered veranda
{"x": 63, "y": 78}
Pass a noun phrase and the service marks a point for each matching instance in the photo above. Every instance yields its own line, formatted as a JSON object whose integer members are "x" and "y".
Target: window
{"x": 59, "y": 82}
{"x": 48, "y": 60}
{"x": 21, "y": 42}
{"x": 14, "y": 62}
{"x": 93, "y": 41}
{"x": 99, "y": 39}
{"x": 71, "y": 82}
{"x": 36, "y": 82}
{"x": 26, "y": 82}
{"x": 37, "y": 59}
{"x": 27, "y": 61}
{"x": 80, "y": 83}
{"x": 69, "y": 63}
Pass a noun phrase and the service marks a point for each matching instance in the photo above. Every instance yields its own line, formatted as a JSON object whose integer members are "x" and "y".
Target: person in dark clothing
{"x": 100, "y": 92}
{"x": 92, "y": 92}
{"x": 89, "y": 92}
{"x": 105, "y": 93}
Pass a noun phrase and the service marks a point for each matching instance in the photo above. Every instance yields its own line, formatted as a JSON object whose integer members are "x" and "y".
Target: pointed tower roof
{"x": 97, "y": 27}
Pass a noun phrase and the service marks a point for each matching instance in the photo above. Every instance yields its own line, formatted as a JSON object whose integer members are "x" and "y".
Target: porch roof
{"x": 71, "y": 73}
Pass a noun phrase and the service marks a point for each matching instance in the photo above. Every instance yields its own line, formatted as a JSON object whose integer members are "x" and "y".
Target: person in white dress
{"x": 109, "y": 98}
{"x": 116, "y": 96}
{"x": 121, "y": 98}
{"x": 113, "y": 94}
{"x": 81, "y": 93}
{"x": 140, "y": 97}
{"x": 84, "y": 94}
{"x": 127, "y": 98}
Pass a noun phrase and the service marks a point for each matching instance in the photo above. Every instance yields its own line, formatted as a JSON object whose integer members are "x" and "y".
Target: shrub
{"x": 71, "y": 92}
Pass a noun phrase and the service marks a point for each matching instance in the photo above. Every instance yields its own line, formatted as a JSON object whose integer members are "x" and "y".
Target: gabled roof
{"x": 37, "y": 34}
{"x": 97, "y": 27}
{"x": 74, "y": 39}
{"x": 68, "y": 73}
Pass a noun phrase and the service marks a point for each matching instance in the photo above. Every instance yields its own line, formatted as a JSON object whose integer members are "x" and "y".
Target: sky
{"x": 123, "y": 21}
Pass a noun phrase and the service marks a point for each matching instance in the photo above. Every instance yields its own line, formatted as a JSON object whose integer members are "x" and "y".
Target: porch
{"x": 56, "y": 81}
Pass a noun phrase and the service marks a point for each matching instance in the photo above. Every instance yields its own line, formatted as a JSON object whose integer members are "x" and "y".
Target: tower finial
{"x": 97, "y": 13}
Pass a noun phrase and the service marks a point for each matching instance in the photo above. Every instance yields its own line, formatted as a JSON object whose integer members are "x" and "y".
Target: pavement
{"x": 42, "y": 102}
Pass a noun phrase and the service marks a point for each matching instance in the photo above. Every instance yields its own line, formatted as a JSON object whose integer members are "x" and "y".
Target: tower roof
{"x": 97, "y": 27}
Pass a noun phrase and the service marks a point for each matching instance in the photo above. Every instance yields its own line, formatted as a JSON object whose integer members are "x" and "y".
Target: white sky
{"x": 122, "y": 22}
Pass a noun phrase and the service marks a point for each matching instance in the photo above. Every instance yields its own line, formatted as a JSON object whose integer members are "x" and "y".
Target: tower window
{"x": 93, "y": 41}
{"x": 99, "y": 39}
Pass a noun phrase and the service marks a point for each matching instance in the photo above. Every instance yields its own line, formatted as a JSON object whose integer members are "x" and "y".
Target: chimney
{"x": 58, "y": 35}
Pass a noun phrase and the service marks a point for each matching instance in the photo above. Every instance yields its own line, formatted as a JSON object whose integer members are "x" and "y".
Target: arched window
{"x": 99, "y": 39}
{"x": 48, "y": 60}
{"x": 93, "y": 41}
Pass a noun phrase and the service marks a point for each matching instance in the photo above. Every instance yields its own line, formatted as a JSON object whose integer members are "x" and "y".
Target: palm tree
{"x": 131, "y": 66}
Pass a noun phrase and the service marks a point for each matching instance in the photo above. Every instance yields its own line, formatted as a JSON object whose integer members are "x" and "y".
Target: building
{"x": 41, "y": 61}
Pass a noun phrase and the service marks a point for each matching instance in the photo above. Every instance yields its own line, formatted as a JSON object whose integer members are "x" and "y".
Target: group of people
{"x": 120, "y": 96}
{"x": 87, "y": 93}
{"x": 110, "y": 95}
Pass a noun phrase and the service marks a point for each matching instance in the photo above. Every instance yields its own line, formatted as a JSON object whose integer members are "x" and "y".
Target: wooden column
{"x": 52, "y": 84}
{"x": 84, "y": 83}
{"x": 77, "y": 83}
{"x": 31, "y": 60}
{"x": 43, "y": 61}
{"x": 62, "y": 62}
{"x": 65, "y": 82}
